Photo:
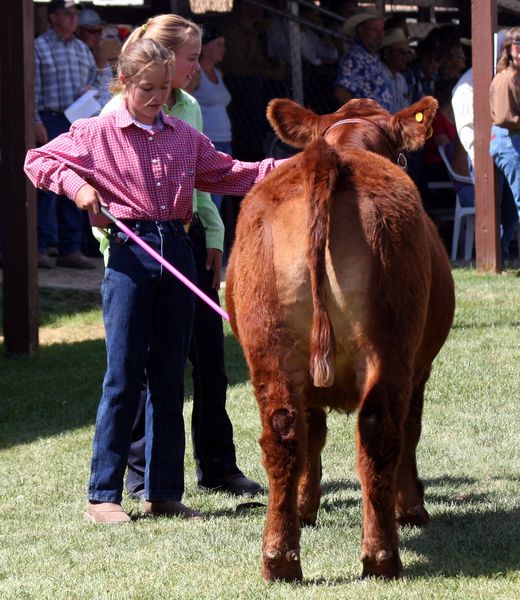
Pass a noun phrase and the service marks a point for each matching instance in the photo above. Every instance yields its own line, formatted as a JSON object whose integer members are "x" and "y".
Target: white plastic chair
{"x": 462, "y": 213}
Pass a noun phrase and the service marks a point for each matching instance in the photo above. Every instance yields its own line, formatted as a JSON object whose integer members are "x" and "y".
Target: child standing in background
{"x": 142, "y": 165}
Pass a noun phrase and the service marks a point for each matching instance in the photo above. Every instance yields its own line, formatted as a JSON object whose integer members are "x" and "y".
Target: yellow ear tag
{"x": 419, "y": 117}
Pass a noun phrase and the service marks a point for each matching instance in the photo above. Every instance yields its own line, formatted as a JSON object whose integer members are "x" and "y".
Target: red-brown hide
{"x": 340, "y": 293}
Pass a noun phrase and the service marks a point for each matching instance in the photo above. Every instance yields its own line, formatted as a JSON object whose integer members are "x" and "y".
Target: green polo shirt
{"x": 188, "y": 109}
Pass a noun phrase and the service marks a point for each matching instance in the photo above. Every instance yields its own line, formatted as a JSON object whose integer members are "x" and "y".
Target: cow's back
{"x": 382, "y": 258}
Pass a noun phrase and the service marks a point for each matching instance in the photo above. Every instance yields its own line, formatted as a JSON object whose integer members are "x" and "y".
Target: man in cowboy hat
{"x": 361, "y": 73}
{"x": 394, "y": 54}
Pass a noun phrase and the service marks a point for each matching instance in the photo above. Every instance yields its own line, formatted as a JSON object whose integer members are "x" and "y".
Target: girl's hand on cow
{"x": 40, "y": 134}
{"x": 88, "y": 198}
{"x": 214, "y": 261}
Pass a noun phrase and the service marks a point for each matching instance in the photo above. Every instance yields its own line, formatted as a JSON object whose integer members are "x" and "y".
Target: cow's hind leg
{"x": 378, "y": 442}
{"x": 410, "y": 508}
{"x": 309, "y": 491}
{"x": 283, "y": 449}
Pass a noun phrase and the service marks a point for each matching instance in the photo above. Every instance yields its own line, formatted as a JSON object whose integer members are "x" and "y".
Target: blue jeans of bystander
{"x": 505, "y": 151}
{"x": 60, "y": 221}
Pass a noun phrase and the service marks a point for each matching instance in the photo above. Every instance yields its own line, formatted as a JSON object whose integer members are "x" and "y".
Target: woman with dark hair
{"x": 505, "y": 133}
{"x": 208, "y": 88}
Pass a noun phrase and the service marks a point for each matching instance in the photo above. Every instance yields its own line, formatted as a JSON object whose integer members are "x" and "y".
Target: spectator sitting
{"x": 394, "y": 55}
{"x": 453, "y": 62}
{"x": 397, "y": 21}
{"x": 444, "y": 132}
{"x": 422, "y": 74}
{"x": 209, "y": 89}
{"x": 447, "y": 39}
{"x": 361, "y": 73}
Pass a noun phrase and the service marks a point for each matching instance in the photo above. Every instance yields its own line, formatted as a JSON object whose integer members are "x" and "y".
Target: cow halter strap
{"x": 400, "y": 159}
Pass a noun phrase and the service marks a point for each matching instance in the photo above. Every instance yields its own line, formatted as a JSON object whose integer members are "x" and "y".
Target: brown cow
{"x": 341, "y": 295}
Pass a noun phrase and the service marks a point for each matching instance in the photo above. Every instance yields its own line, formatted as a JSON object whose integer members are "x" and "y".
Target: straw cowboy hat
{"x": 394, "y": 36}
{"x": 349, "y": 27}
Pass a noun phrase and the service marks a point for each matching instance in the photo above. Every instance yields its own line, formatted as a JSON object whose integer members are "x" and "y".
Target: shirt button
{"x": 163, "y": 206}
{"x": 158, "y": 184}
{"x": 150, "y": 138}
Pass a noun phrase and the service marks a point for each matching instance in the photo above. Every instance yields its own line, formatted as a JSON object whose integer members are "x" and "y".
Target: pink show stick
{"x": 165, "y": 263}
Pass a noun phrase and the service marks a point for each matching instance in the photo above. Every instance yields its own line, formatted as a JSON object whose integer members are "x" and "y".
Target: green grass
{"x": 469, "y": 458}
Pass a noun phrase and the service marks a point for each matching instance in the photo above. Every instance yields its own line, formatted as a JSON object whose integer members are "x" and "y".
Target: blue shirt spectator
{"x": 423, "y": 73}
{"x": 363, "y": 75}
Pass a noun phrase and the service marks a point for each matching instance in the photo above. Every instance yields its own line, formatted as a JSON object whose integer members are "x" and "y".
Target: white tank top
{"x": 213, "y": 99}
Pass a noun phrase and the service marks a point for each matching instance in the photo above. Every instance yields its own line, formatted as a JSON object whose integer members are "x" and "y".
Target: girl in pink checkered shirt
{"x": 143, "y": 166}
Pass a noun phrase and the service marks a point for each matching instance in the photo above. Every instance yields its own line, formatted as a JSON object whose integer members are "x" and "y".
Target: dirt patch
{"x": 70, "y": 335}
{"x": 74, "y": 279}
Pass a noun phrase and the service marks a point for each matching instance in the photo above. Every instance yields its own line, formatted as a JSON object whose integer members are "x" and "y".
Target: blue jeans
{"x": 148, "y": 316}
{"x": 60, "y": 221}
{"x": 221, "y": 147}
{"x": 505, "y": 151}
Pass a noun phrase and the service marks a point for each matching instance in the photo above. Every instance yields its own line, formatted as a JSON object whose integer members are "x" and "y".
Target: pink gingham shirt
{"x": 148, "y": 175}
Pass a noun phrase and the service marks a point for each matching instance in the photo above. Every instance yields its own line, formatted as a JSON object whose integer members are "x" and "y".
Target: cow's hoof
{"x": 282, "y": 566}
{"x": 384, "y": 564}
{"x": 416, "y": 516}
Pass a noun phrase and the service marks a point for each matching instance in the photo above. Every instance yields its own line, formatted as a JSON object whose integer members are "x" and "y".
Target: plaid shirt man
{"x": 62, "y": 71}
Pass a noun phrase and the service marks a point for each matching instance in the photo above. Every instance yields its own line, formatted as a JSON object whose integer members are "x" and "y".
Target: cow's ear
{"x": 294, "y": 125}
{"x": 412, "y": 126}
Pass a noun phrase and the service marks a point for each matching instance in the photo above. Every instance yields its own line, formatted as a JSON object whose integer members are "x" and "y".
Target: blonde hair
{"x": 170, "y": 30}
{"x": 137, "y": 57}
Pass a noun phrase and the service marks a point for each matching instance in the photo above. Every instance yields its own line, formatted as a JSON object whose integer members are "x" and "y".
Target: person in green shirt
{"x": 212, "y": 431}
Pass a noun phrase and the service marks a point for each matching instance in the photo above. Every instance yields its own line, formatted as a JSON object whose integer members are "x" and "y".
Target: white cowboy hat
{"x": 394, "y": 36}
{"x": 349, "y": 26}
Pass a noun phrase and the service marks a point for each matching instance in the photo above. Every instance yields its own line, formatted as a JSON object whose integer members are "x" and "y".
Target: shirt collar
{"x": 359, "y": 43}
{"x": 180, "y": 102}
{"x": 52, "y": 34}
{"x": 124, "y": 118}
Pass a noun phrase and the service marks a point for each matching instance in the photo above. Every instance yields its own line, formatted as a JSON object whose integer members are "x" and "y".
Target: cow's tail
{"x": 322, "y": 166}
